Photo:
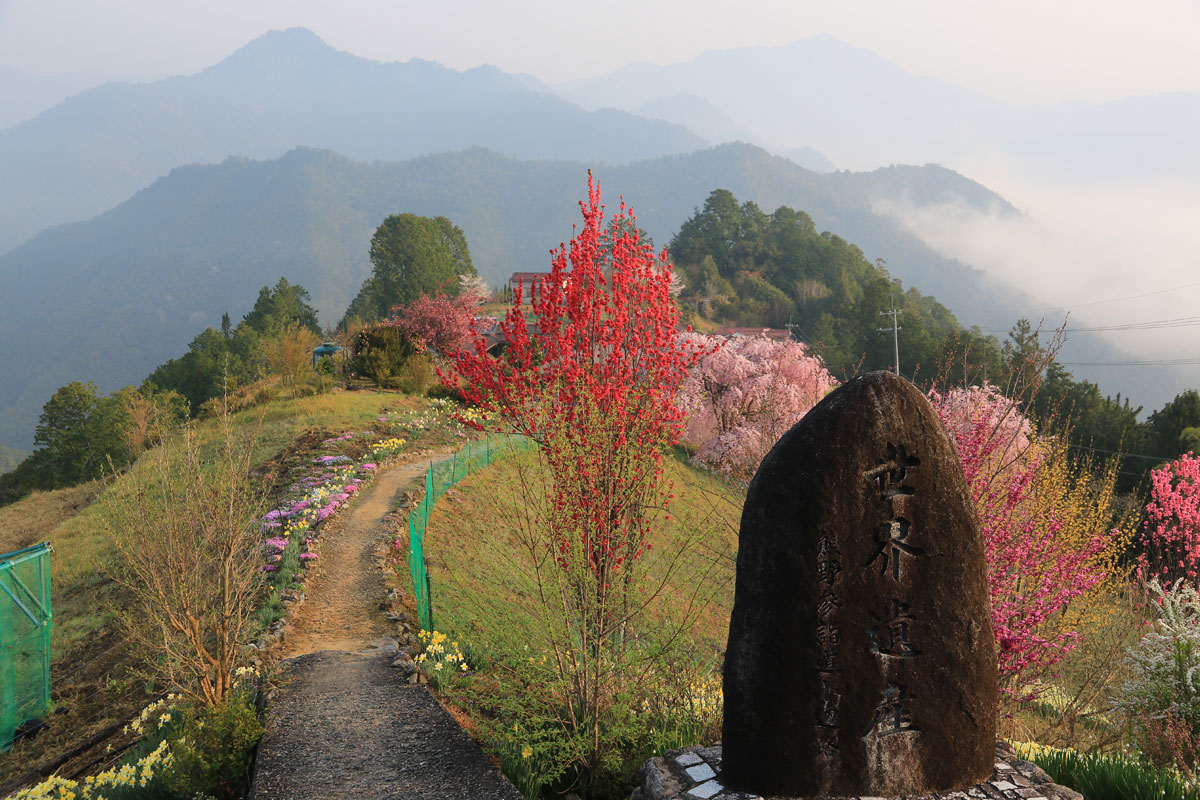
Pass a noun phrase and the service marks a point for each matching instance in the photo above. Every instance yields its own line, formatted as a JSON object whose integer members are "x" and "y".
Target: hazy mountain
{"x": 846, "y": 102}
{"x": 862, "y": 111}
{"x": 109, "y": 299}
{"x": 284, "y": 89}
{"x": 703, "y": 118}
{"x": 807, "y": 157}
{"x": 697, "y": 115}
{"x": 24, "y": 96}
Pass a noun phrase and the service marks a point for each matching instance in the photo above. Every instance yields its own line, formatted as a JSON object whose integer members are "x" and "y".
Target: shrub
{"x": 183, "y": 526}
{"x": 214, "y": 749}
{"x": 1161, "y": 701}
{"x": 1047, "y": 520}
{"x": 380, "y": 352}
{"x": 1171, "y": 537}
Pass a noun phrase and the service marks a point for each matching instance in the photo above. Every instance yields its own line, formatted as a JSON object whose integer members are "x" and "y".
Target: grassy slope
{"x": 481, "y": 573}
{"x": 92, "y": 676}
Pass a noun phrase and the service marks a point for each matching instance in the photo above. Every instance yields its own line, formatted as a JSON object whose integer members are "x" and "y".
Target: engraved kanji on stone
{"x": 892, "y": 546}
{"x": 890, "y": 473}
{"x": 830, "y": 700}
{"x": 827, "y": 603}
{"x": 828, "y": 635}
{"x": 891, "y": 716}
{"x": 829, "y": 562}
{"x": 827, "y": 741}
{"x": 890, "y": 636}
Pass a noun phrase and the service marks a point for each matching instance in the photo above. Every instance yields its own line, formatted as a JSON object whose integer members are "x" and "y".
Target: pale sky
{"x": 1021, "y": 51}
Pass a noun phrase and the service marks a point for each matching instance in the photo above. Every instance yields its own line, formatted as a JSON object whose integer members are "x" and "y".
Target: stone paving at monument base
{"x": 693, "y": 773}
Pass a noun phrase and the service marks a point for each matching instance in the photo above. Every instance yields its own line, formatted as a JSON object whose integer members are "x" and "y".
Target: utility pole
{"x": 895, "y": 315}
{"x": 792, "y": 329}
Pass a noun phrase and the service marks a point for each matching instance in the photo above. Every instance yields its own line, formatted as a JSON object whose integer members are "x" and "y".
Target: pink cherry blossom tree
{"x": 744, "y": 394}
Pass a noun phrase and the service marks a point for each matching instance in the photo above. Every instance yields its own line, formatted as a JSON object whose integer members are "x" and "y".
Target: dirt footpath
{"x": 341, "y": 605}
{"x": 345, "y": 723}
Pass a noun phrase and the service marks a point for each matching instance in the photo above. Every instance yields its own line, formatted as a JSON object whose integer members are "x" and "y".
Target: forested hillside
{"x": 743, "y": 266}
{"x": 108, "y": 299}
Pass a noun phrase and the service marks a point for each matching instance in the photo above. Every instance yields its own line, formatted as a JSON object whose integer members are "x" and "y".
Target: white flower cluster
{"x": 1165, "y": 664}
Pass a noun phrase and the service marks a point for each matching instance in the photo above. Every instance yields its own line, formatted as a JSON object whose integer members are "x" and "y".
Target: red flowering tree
{"x": 744, "y": 394}
{"x": 592, "y": 378}
{"x": 1171, "y": 536}
{"x": 591, "y": 375}
{"x": 1047, "y": 530}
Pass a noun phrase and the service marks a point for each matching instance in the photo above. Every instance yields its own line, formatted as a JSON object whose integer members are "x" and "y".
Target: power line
{"x": 1157, "y": 324}
{"x": 1117, "y": 453}
{"x": 1178, "y": 322}
{"x": 1169, "y": 362}
{"x": 1137, "y": 296}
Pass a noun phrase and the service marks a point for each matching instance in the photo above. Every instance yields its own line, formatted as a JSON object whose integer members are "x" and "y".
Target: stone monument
{"x": 861, "y": 659}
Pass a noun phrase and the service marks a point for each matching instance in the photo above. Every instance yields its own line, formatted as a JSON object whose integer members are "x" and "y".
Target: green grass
{"x": 481, "y": 571}
{"x": 1108, "y": 777}
{"x": 664, "y": 687}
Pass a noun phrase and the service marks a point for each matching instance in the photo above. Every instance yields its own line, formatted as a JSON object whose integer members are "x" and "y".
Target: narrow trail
{"x": 345, "y": 723}
{"x": 340, "y": 609}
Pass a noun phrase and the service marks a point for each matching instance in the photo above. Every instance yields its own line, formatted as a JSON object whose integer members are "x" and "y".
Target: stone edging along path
{"x": 692, "y": 773}
{"x": 350, "y": 719}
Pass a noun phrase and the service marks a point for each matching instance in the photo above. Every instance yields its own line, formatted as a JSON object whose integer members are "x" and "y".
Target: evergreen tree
{"x": 412, "y": 256}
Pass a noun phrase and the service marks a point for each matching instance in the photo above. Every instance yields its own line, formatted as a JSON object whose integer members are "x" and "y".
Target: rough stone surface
{"x": 666, "y": 778}
{"x": 861, "y": 658}
{"x": 348, "y": 725}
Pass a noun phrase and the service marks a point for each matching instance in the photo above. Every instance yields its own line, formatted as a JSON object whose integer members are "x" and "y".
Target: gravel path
{"x": 347, "y": 724}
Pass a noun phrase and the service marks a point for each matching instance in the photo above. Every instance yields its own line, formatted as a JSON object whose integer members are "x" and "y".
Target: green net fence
{"x": 25, "y": 621}
{"x": 440, "y": 477}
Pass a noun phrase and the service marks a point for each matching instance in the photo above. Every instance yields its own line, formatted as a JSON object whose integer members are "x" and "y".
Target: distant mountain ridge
{"x": 288, "y": 89}
{"x": 109, "y": 299}
{"x": 863, "y": 111}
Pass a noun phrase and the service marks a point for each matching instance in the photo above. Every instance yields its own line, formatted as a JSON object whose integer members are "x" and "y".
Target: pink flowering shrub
{"x": 1045, "y": 542}
{"x": 440, "y": 323}
{"x": 1171, "y": 537}
{"x": 744, "y": 394}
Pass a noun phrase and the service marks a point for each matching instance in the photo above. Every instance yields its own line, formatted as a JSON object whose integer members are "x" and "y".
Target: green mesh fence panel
{"x": 440, "y": 477}
{"x": 25, "y": 621}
